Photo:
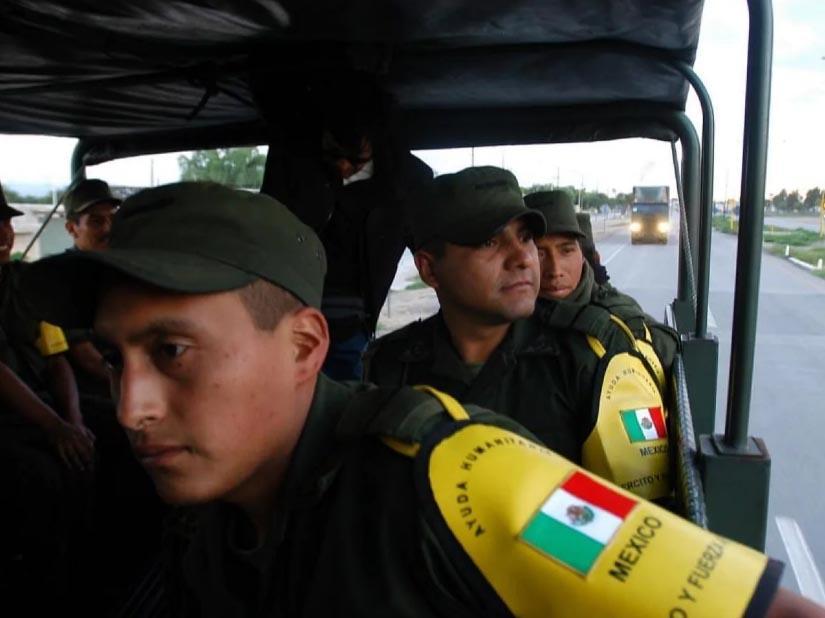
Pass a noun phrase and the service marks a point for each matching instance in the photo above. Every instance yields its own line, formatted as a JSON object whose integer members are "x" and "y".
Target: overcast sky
{"x": 796, "y": 157}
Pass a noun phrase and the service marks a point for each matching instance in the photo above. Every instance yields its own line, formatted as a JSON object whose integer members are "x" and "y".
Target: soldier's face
{"x": 91, "y": 229}
{"x": 561, "y": 261}
{"x": 212, "y": 405}
{"x": 493, "y": 283}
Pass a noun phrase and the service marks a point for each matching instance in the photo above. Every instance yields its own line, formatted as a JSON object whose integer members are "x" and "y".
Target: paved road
{"x": 789, "y": 379}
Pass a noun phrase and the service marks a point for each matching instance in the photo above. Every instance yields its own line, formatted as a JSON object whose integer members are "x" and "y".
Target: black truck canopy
{"x": 136, "y": 77}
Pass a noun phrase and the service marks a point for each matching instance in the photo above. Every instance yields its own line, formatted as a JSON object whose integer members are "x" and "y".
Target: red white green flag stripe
{"x": 644, "y": 424}
{"x": 577, "y": 521}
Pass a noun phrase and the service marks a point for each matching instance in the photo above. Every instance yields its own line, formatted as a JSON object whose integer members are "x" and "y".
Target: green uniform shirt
{"x": 539, "y": 376}
{"x": 348, "y": 538}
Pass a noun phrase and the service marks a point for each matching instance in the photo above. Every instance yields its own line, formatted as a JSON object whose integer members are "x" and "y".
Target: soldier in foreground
{"x": 311, "y": 498}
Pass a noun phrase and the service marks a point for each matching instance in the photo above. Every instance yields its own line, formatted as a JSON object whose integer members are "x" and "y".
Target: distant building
{"x": 53, "y": 239}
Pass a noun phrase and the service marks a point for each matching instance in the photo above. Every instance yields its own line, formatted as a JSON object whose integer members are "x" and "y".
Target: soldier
{"x": 354, "y": 194}
{"x": 37, "y": 381}
{"x": 568, "y": 282}
{"x": 90, "y": 207}
{"x": 300, "y": 490}
{"x": 474, "y": 246}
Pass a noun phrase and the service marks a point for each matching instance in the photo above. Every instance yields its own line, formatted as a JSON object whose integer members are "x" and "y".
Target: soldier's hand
{"x": 75, "y": 445}
{"x": 787, "y": 604}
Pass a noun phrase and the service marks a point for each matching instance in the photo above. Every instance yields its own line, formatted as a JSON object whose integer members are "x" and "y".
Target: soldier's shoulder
{"x": 572, "y": 322}
{"x": 410, "y": 414}
{"x": 413, "y": 335}
{"x": 607, "y": 296}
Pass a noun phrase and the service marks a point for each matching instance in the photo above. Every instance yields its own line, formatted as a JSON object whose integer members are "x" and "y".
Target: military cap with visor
{"x": 470, "y": 207}
{"x": 189, "y": 237}
{"x": 6, "y": 211}
{"x": 85, "y": 194}
{"x": 558, "y": 211}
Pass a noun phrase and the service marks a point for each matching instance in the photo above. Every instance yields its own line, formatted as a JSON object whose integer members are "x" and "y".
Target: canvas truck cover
{"x": 185, "y": 72}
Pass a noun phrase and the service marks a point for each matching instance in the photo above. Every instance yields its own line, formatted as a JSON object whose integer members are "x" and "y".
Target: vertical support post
{"x": 751, "y": 219}
{"x": 691, "y": 155}
{"x": 702, "y": 249}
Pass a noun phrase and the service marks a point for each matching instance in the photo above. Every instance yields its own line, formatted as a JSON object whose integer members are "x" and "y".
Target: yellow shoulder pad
{"x": 649, "y": 352}
{"x": 51, "y": 340}
{"x": 628, "y": 444}
{"x": 553, "y": 540}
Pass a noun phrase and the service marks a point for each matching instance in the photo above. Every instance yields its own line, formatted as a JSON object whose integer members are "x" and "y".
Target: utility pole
{"x": 581, "y": 189}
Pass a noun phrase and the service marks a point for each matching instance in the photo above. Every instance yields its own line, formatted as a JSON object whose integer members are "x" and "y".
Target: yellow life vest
{"x": 628, "y": 444}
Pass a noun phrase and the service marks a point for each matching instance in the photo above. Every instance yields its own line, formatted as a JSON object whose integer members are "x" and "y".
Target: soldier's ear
{"x": 425, "y": 263}
{"x": 310, "y": 341}
{"x": 71, "y": 228}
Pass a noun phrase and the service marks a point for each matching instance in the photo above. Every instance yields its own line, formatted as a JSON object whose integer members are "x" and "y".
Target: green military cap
{"x": 189, "y": 237}
{"x": 6, "y": 211}
{"x": 85, "y": 194}
{"x": 558, "y": 211}
{"x": 470, "y": 207}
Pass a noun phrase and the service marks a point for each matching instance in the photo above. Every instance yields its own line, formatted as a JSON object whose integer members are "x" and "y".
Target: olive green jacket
{"x": 665, "y": 340}
{"x": 348, "y": 538}
{"x": 540, "y": 376}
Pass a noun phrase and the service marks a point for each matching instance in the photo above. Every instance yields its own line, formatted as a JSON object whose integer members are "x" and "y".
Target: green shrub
{"x": 728, "y": 225}
{"x": 795, "y": 238}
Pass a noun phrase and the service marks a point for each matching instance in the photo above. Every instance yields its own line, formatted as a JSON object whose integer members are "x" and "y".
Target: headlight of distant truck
{"x": 663, "y": 227}
{"x": 635, "y": 227}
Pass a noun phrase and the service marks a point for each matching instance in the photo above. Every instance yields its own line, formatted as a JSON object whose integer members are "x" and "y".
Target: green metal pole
{"x": 751, "y": 218}
{"x": 691, "y": 155}
{"x": 705, "y": 200}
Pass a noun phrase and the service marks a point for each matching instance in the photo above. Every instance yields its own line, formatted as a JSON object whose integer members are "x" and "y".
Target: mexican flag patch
{"x": 644, "y": 424}
{"x": 577, "y": 522}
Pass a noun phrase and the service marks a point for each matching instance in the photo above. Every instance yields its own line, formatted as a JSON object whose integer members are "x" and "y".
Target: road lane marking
{"x": 612, "y": 255}
{"x": 802, "y": 562}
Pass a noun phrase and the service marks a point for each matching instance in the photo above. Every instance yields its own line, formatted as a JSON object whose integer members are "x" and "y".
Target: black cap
{"x": 6, "y": 211}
